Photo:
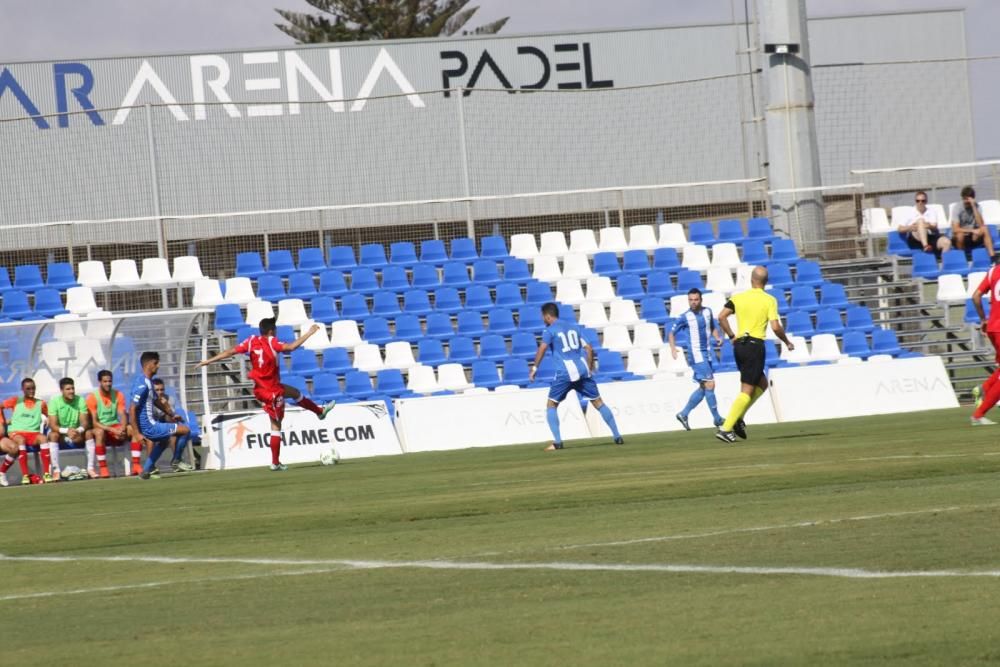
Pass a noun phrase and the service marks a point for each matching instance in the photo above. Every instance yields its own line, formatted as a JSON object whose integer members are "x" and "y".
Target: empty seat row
{"x": 47, "y": 303}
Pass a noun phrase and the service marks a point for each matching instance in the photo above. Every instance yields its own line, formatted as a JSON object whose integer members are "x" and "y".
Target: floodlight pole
{"x": 791, "y": 125}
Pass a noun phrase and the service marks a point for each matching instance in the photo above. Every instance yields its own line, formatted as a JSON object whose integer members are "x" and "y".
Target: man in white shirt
{"x": 921, "y": 229}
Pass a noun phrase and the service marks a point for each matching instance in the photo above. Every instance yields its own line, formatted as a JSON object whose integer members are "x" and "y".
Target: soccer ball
{"x": 329, "y": 457}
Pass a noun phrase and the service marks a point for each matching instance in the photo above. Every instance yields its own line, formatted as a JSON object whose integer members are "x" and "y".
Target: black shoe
{"x": 619, "y": 440}
{"x": 727, "y": 437}
{"x": 740, "y": 429}
{"x": 683, "y": 420}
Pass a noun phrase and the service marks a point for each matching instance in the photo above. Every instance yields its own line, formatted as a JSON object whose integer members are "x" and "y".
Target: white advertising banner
{"x": 650, "y": 406}
{"x": 438, "y": 423}
{"x": 857, "y": 390}
{"x": 355, "y": 430}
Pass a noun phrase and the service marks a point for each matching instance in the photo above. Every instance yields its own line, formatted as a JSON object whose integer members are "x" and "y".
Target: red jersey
{"x": 990, "y": 287}
{"x": 263, "y": 352}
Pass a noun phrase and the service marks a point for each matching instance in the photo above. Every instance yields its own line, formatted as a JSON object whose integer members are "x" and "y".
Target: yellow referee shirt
{"x": 754, "y": 309}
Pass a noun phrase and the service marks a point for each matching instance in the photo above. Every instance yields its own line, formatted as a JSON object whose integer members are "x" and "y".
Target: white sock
{"x": 91, "y": 453}
{"x": 54, "y": 453}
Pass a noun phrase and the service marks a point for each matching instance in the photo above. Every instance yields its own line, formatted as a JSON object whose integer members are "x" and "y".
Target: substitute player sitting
{"x": 141, "y": 414}
{"x": 700, "y": 325}
{"x": 25, "y": 428}
{"x": 178, "y": 443}
{"x": 574, "y": 362}
{"x": 69, "y": 422}
{"x": 263, "y": 351}
{"x": 110, "y": 426}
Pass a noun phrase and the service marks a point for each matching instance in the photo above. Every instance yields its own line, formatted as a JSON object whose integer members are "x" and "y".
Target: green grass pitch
{"x": 672, "y": 550}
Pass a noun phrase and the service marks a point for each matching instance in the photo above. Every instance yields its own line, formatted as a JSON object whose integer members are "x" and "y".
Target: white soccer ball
{"x": 329, "y": 457}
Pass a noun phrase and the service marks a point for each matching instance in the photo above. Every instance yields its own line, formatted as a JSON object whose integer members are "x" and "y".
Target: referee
{"x": 754, "y": 309}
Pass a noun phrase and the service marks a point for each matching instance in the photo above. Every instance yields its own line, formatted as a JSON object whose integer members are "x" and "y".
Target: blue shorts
{"x": 584, "y": 387}
{"x": 158, "y": 431}
{"x": 703, "y": 371}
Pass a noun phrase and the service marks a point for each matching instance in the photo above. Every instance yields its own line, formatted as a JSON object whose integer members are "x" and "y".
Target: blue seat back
{"x": 800, "y": 324}
{"x": 394, "y": 278}
{"x": 478, "y": 297}
{"x": 688, "y": 279}
{"x": 416, "y": 301}
{"x": 804, "y": 296}
{"x": 701, "y": 232}
{"x": 363, "y": 280}
{"x": 501, "y": 320}
{"x": 470, "y": 323}
{"x": 635, "y": 261}
{"x": 311, "y": 259}
{"x": 403, "y": 253}
{"x": 303, "y": 362}
{"x": 372, "y": 255}
{"x": 516, "y": 269}
{"x": 280, "y": 262}
{"x": 390, "y": 381}
{"x": 228, "y": 317}
{"x": 342, "y": 257}
{"x": 456, "y": 274}
{"x": 759, "y": 228}
{"x": 485, "y": 271}
{"x": 385, "y": 304}
{"x": 731, "y": 231}
{"x": 323, "y": 309}
{"x": 784, "y": 250}
{"x": 493, "y": 247}
{"x": 270, "y": 287}
{"x": 336, "y": 360}
{"x": 666, "y": 259}
{"x": 357, "y": 383}
{"x": 463, "y": 249}
{"x": 354, "y": 307}
{"x": 430, "y": 352}
{"x": 58, "y": 274}
{"x": 408, "y": 328}
{"x": 833, "y": 294}
{"x": 28, "y": 277}
{"x": 439, "y": 324}
{"x": 509, "y": 295}
{"x": 492, "y": 346}
{"x": 630, "y": 286}
{"x": 523, "y": 344}
{"x": 433, "y": 251}
{"x": 425, "y": 276}
{"x": 461, "y": 349}
{"x": 755, "y": 252}
{"x": 446, "y": 300}
{"x": 332, "y": 283}
{"x": 484, "y": 373}
{"x": 301, "y": 285}
{"x": 538, "y": 293}
{"x": 515, "y": 371}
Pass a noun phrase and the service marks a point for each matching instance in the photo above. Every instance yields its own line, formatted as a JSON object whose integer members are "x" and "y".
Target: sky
{"x": 61, "y": 29}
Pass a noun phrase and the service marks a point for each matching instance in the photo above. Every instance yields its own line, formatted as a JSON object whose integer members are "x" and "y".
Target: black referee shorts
{"x": 750, "y": 355}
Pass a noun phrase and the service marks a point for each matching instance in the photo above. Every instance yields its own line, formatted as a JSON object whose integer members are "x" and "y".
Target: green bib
{"x": 107, "y": 414}
{"x": 26, "y": 419}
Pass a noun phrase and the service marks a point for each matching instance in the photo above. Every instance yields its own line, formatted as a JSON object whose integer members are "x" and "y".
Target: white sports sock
{"x": 54, "y": 453}
{"x": 91, "y": 453}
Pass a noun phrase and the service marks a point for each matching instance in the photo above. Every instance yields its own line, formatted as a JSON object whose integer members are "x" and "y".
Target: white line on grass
{"x": 337, "y": 564}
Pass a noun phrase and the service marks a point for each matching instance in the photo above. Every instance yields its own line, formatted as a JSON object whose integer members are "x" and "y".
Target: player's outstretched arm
{"x": 538, "y": 359}
{"x": 219, "y": 357}
{"x": 288, "y": 347}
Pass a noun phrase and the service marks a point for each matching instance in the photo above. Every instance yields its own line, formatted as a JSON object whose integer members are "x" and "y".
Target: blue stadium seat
{"x": 779, "y": 276}
{"x": 311, "y": 260}
{"x": 808, "y": 272}
{"x": 432, "y": 252}
{"x": 828, "y": 321}
{"x": 515, "y": 270}
{"x": 660, "y": 285}
{"x": 323, "y": 309}
{"x": 363, "y": 280}
{"x": 297, "y": 382}
{"x": 403, "y": 253}
{"x": 4, "y": 280}
{"x": 354, "y": 307}
{"x": 470, "y": 323}
{"x": 509, "y": 295}
{"x": 523, "y": 345}
{"x": 611, "y": 366}
{"x": 342, "y": 257}
{"x": 486, "y": 272}
{"x": 856, "y": 344}
{"x": 430, "y": 352}
{"x": 48, "y": 303}
{"x": 833, "y": 295}
{"x": 804, "y": 298}
{"x": 390, "y": 382}
{"x": 270, "y": 287}
{"x": 501, "y": 321}
{"x": 463, "y": 249}
{"x": 771, "y": 357}
{"x": 925, "y": 266}
{"x": 971, "y": 316}
{"x": 484, "y": 374}
{"x": 478, "y": 297}
{"x": 630, "y": 286}
{"x": 279, "y": 262}
{"x": 59, "y": 275}
{"x": 545, "y": 373}
{"x": 784, "y": 251}
{"x": 373, "y": 256}
{"x": 529, "y": 319}
{"x": 731, "y": 231}
{"x": 896, "y": 245}
{"x": 727, "y": 360}
{"x": 385, "y": 304}
{"x": 417, "y": 302}
{"x": 538, "y": 293}
{"x": 515, "y": 371}
{"x": 228, "y": 317}
{"x": 303, "y": 363}
{"x": 635, "y": 261}
{"x": 394, "y": 279}
{"x": 358, "y": 384}
{"x": 446, "y": 300}
{"x": 376, "y": 330}
{"x": 779, "y": 295}
{"x": 439, "y": 325}
{"x": 326, "y": 387}
{"x": 28, "y": 277}
{"x": 859, "y": 318}
{"x": 332, "y": 283}
{"x": 285, "y": 333}
{"x": 701, "y": 233}
{"x": 249, "y": 265}
{"x": 666, "y": 259}
{"x": 954, "y": 261}
{"x": 755, "y": 253}
{"x": 493, "y": 347}
{"x": 653, "y": 309}
{"x": 456, "y": 274}
{"x": 242, "y": 333}
{"x": 688, "y": 279}
{"x": 800, "y": 323}
{"x": 462, "y": 350}
{"x": 336, "y": 360}
{"x": 884, "y": 341}
{"x": 759, "y": 229}
{"x": 606, "y": 264}
{"x": 425, "y": 276}
{"x": 493, "y": 247}
{"x": 980, "y": 260}
{"x": 301, "y": 286}
{"x": 408, "y": 328}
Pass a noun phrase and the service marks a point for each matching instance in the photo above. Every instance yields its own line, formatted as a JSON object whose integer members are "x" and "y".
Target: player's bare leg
{"x": 307, "y": 403}
{"x": 275, "y": 444}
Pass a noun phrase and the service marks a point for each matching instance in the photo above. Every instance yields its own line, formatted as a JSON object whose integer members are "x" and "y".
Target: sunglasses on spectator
{"x": 921, "y": 201}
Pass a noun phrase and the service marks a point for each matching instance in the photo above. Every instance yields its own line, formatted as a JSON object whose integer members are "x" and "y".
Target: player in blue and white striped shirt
{"x": 700, "y": 325}
{"x": 574, "y": 359}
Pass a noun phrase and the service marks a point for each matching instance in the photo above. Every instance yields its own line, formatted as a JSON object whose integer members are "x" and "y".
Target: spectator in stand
{"x": 25, "y": 428}
{"x": 968, "y": 230}
{"x": 110, "y": 424}
{"x": 921, "y": 229}
{"x": 177, "y": 442}
{"x": 69, "y": 422}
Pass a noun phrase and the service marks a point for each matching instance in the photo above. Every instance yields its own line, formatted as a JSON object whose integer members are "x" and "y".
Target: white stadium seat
{"x": 593, "y": 315}
{"x": 725, "y": 255}
{"x": 506, "y": 389}
{"x": 319, "y": 340}
{"x": 421, "y": 380}
{"x": 368, "y": 358}
{"x": 824, "y": 348}
{"x": 345, "y": 333}
{"x": 642, "y": 237}
{"x": 124, "y": 274}
{"x": 975, "y": 278}
{"x": 667, "y": 363}
{"x": 452, "y": 377}
{"x": 576, "y": 265}
{"x": 57, "y": 356}
{"x": 569, "y": 291}
{"x": 523, "y": 246}
{"x": 207, "y": 294}
{"x": 583, "y": 241}
{"x": 743, "y": 272}
{"x": 187, "y": 270}
{"x": 696, "y": 258}
{"x": 672, "y": 235}
{"x": 714, "y": 301}
{"x": 553, "y": 243}
{"x": 612, "y": 239}
{"x": 45, "y": 383}
{"x": 80, "y": 301}
{"x": 800, "y": 355}
{"x": 641, "y": 362}
{"x": 291, "y": 312}
{"x": 91, "y": 274}
{"x": 156, "y": 272}
{"x": 990, "y": 209}
{"x": 67, "y": 327}
{"x": 647, "y": 336}
{"x": 239, "y": 291}
{"x": 100, "y": 326}
{"x": 615, "y": 338}
{"x": 678, "y": 305}
{"x": 399, "y": 355}
{"x": 951, "y": 288}
{"x": 600, "y": 288}
{"x": 546, "y": 269}
{"x": 623, "y": 312}
{"x": 879, "y": 358}
{"x": 945, "y": 225}
{"x": 874, "y": 222}
{"x": 719, "y": 279}
{"x": 900, "y": 215}
{"x": 257, "y": 311}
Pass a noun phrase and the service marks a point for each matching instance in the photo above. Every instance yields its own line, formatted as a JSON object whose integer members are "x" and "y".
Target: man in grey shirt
{"x": 968, "y": 230}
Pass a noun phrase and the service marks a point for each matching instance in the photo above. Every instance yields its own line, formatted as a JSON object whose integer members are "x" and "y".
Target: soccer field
{"x": 843, "y": 542}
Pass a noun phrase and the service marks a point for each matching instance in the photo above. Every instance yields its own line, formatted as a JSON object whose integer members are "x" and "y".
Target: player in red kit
{"x": 263, "y": 352}
{"x": 990, "y": 393}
